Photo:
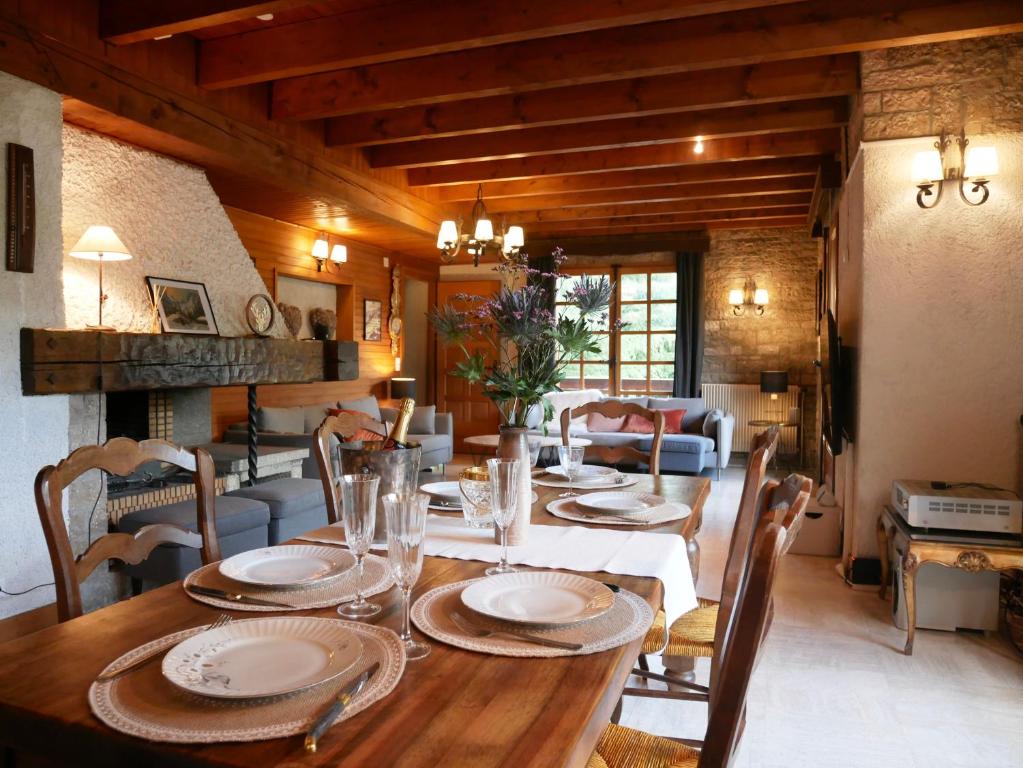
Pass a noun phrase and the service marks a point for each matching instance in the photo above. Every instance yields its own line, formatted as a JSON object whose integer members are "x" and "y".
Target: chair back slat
{"x": 343, "y": 425}
{"x": 616, "y": 409}
{"x": 753, "y": 604}
{"x": 119, "y": 456}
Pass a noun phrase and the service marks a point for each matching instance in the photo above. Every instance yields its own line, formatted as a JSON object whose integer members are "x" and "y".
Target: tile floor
{"x": 833, "y": 688}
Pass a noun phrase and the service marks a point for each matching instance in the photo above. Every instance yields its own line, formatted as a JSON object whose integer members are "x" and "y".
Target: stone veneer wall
{"x": 737, "y": 348}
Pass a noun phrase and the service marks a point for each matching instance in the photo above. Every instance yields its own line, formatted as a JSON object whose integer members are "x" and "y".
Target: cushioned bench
{"x": 296, "y": 505}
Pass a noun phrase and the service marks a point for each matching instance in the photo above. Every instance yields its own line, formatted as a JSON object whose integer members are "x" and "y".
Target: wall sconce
{"x": 933, "y": 167}
{"x": 748, "y": 296}
{"x": 324, "y": 253}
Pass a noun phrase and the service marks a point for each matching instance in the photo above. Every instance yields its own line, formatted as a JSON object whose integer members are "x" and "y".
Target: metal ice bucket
{"x": 398, "y": 471}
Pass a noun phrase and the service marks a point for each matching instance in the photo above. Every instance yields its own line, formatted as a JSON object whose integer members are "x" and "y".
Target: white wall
{"x": 35, "y": 429}
{"x": 171, "y": 220}
{"x": 941, "y": 358}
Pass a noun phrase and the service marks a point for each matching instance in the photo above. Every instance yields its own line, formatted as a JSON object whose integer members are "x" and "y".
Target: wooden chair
{"x": 119, "y": 456}
{"x": 621, "y": 747}
{"x": 619, "y": 454}
{"x": 698, "y": 633}
{"x": 345, "y": 426}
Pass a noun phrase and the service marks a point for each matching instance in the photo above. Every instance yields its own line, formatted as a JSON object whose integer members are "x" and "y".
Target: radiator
{"x": 747, "y": 403}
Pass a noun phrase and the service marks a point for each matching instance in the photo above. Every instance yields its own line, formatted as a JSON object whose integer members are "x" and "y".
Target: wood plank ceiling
{"x": 581, "y": 118}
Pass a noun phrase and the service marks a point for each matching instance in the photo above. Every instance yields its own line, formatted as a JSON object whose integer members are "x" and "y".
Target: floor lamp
{"x": 100, "y": 244}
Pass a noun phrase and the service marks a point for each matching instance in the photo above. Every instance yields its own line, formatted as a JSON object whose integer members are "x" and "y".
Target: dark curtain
{"x": 689, "y": 324}
{"x": 545, "y": 264}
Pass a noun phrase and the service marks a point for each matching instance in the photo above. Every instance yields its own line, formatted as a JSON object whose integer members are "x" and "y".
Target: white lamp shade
{"x": 339, "y": 253}
{"x": 760, "y": 296}
{"x": 320, "y": 248}
{"x": 484, "y": 230}
{"x": 100, "y": 244}
{"x": 981, "y": 162}
{"x": 515, "y": 238}
{"x": 927, "y": 167}
{"x": 448, "y": 234}
{"x": 735, "y": 297}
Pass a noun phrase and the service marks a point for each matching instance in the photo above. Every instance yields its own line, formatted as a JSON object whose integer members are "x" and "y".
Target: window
{"x": 640, "y": 358}
{"x": 647, "y": 307}
{"x": 594, "y": 370}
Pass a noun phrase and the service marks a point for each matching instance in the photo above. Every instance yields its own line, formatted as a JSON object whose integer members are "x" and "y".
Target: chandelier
{"x": 450, "y": 239}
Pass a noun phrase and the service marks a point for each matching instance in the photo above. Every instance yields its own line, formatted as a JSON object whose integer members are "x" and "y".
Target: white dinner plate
{"x": 446, "y": 490}
{"x": 538, "y": 597}
{"x": 289, "y": 565}
{"x": 619, "y": 502}
{"x": 458, "y": 508}
{"x": 262, "y": 657}
{"x": 586, "y": 472}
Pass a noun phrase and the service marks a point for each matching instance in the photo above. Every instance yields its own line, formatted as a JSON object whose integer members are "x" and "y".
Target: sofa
{"x": 435, "y": 432}
{"x": 704, "y": 444}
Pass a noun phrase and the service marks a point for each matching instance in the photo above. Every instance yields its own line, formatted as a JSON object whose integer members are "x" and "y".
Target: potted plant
{"x": 530, "y": 345}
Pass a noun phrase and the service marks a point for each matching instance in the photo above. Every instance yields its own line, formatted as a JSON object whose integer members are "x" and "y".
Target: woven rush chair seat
{"x": 691, "y": 635}
{"x": 621, "y": 747}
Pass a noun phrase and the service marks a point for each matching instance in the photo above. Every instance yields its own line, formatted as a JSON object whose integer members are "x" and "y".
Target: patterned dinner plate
{"x": 262, "y": 657}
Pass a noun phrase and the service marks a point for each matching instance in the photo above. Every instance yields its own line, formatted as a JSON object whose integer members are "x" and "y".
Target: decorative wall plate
{"x": 259, "y": 314}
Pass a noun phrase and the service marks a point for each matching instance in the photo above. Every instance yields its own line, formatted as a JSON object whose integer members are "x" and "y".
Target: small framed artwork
{"x": 184, "y": 307}
{"x": 372, "y": 312}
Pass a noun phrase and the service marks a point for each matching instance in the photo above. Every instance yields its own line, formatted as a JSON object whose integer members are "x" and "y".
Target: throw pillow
{"x": 598, "y": 422}
{"x": 638, "y": 424}
{"x": 366, "y": 404}
{"x": 314, "y": 415}
{"x": 424, "y": 419}
{"x": 280, "y": 420}
{"x": 673, "y": 421}
{"x": 710, "y": 422}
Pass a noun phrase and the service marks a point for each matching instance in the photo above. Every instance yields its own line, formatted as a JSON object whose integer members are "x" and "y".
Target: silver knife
{"x": 337, "y": 707}
{"x": 233, "y": 597}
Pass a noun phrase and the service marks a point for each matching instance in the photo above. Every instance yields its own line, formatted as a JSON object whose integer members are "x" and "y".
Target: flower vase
{"x": 513, "y": 445}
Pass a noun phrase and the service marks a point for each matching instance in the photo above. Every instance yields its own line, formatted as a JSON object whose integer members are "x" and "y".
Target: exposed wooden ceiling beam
{"x": 637, "y": 210}
{"x": 663, "y": 219}
{"x": 649, "y": 238}
{"x": 609, "y": 134}
{"x": 414, "y": 28}
{"x": 747, "y": 147}
{"x": 694, "y": 239}
{"x": 663, "y": 194}
{"x": 697, "y": 175}
{"x": 799, "y": 30}
{"x": 731, "y": 86}
{"x": 132, "y": 21}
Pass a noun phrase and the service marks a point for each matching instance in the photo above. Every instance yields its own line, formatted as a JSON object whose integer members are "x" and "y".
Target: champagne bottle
{"x": 399, "y": 432}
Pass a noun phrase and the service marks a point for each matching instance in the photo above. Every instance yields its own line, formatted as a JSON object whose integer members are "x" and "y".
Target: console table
{"x": 969, "y": 551}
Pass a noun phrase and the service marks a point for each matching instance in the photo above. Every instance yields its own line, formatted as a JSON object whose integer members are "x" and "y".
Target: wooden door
{"x": 473, "y": 414}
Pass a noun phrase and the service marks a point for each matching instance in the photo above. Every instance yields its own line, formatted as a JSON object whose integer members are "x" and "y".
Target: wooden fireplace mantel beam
{"x": 55, "y": 361}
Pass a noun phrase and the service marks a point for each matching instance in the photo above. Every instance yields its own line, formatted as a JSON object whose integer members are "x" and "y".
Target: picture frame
{"x": 183, "y": 306}
{"x": 372, "y": 320}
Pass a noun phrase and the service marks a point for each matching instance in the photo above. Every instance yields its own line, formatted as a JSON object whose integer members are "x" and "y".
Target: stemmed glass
{"x": 504, "y": 482}
{"x": 359, "y": 514}
{"x": 406, "y": 530}
{"x": 571, "y": 457}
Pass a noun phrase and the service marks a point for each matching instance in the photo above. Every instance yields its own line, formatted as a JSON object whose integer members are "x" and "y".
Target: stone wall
{"x": 921, "y": 89}
{"x": 738, "y": 348}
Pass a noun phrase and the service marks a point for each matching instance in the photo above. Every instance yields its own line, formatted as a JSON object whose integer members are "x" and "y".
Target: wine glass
{"x": 571, "y": 457}
{"x": 504, "y": 496}
{"x": 359, "y": 514}
{"x": 535, "y": 446}
{"x": 406, "y": 530}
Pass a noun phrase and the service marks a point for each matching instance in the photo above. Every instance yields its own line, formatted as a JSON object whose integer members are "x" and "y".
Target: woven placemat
{"x": 569, "y": 510}
{"x": 550, "y": 482}
{"x": 376, "y": 579}
{"x": 144, "y": 704}
{"x": 630, "y": 617}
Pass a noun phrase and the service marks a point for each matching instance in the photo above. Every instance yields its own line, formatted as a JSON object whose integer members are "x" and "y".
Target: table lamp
{"x": 774, "y": 383}
{"x": 100, "y": 244}
{"x": 402, "y": 388}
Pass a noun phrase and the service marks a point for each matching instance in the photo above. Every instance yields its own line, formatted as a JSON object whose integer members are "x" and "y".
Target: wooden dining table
{"x": 455, "y": 708}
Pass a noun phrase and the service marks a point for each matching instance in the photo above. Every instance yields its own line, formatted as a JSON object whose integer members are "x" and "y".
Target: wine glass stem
{"x": 504, "y": 548}
{"x": 358, "y": 580}
{"x": 406, "y": 616}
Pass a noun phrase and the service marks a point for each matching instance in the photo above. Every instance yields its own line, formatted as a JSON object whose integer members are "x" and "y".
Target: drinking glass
{"x": 474, "y": 484}
{"x": 359, "y": 515}
{"x": 571, "y": 457}
{"x": 535, "y": 446}
{"x": 406, "y": 530}
{"x": 504, "y": 496}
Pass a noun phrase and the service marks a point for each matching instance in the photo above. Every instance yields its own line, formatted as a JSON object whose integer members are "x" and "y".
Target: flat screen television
{"x": 834, "y": 386}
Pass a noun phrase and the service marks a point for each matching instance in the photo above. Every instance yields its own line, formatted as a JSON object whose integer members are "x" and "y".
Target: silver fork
{"x": 474, "y": 629}
{"x": 221, "y": 621}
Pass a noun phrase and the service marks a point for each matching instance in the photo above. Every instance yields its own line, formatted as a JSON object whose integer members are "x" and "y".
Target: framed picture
{"x": 372, "y": 312}
{"x": 184, "y": 307}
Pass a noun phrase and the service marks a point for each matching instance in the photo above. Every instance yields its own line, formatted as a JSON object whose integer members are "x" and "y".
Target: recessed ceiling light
{"x": 163, "y": 37}
{"x": 265, "y": 17}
